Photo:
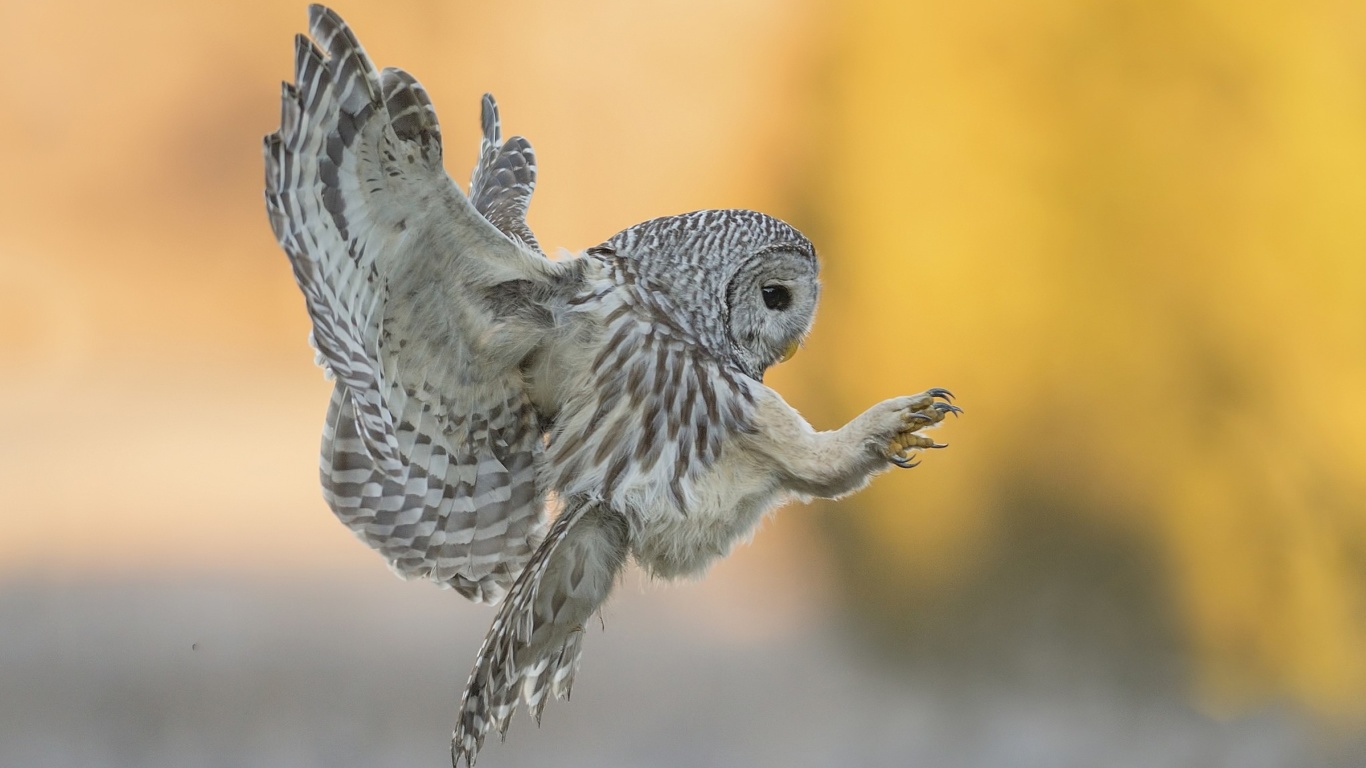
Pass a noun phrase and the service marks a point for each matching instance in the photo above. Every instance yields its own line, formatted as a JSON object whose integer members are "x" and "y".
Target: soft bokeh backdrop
{"x": 1129, "y": 235}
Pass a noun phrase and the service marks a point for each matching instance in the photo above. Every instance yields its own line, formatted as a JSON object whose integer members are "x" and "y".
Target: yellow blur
{"x": 1131, "y": 237}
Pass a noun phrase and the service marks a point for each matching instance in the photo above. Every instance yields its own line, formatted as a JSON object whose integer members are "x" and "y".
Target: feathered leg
{"x": 836, "y": 463}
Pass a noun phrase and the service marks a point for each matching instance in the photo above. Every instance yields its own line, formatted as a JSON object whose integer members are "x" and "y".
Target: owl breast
{"x": 645, "y": 412}
{"x": 728, "y": 501}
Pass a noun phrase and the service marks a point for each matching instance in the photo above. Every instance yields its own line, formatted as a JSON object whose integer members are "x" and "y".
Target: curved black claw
{"x": 939, "y": 392}
{"x": 937, "y": 445}
{"x": 904, "y": 463}
{"x": 947, "y": 408}
{"x": 919, "y": 418}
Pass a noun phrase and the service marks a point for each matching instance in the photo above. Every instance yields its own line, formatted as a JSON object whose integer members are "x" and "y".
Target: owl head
{"x": 743, "y": 283}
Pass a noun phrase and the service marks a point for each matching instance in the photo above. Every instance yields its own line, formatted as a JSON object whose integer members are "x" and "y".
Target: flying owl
{"x": 481, "y": 386}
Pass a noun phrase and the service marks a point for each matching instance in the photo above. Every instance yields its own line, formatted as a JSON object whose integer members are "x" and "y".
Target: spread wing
{"x": 501, "y": 185}
{"x": 532, "y": 650}
{"x": 421, "y": 308}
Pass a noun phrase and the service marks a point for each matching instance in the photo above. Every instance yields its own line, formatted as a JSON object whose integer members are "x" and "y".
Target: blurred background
{"x": 1128, "y": 234}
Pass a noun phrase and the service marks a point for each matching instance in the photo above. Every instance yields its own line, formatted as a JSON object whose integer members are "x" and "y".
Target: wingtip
{"x": 330, "y": 30}
{"x": 459, "y": 753}
{"x": 317, "y": 12}
{"x": 488, "y": 119}
{"x": 305, "y": 52}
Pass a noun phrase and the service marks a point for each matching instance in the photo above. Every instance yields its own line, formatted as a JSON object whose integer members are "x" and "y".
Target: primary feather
{"x": 431, "y": 447}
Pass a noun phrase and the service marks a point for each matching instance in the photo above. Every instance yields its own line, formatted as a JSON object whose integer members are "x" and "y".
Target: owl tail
{"x": 532, "y": 649}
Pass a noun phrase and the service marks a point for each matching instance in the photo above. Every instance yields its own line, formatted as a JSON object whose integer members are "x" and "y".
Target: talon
{"x": 937, "y": 445}
{"x": 917, "y": 417}
{"x": 939, "y": 392}
{"x": 904, "y": 463}
{"x": 947, "y": 408}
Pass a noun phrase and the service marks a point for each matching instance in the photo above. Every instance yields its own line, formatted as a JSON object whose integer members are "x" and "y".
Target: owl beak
{"x": 790, "y": 351}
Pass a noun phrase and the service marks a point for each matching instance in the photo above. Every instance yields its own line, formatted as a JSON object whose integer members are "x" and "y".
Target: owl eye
{"x": 776, "y": 297}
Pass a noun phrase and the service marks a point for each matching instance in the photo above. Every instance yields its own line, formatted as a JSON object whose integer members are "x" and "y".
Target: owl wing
{"x": 431, "y": 445}
{"x": 504, "y": 177}
{"x": 532, "y": 649}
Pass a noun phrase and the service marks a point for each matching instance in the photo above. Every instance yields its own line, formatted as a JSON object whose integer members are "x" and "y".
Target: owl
{"x": 484, "y": 390}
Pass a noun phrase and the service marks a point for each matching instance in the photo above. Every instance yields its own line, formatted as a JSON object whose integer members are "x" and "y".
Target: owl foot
{"x": 918, "y": 412}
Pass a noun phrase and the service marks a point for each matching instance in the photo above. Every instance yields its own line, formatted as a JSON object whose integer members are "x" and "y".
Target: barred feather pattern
{"x": 629, "y": 446}
{"x": 661, "y": 404}
{"x": 532, "y": 650}
{"x": 687, "y": 262}
{"x": 633, "y": 441}
{"x": 504, "y": 177}
{"x": 431, "y": 445}
{"x": 474, "y": 376}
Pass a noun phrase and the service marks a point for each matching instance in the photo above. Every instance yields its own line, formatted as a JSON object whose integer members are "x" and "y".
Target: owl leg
{"x": 835, "y": 463}
{"x": 532, "y": 649}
